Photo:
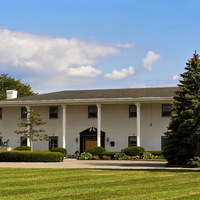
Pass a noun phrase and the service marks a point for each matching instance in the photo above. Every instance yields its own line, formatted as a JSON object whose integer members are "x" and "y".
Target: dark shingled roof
{"x": 104, "y": 93}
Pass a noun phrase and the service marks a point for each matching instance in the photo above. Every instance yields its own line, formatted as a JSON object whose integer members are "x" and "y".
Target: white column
{"x": 138, "y": 123}
{"x": 98, "y": 125}
{"x": 28, "y": 127}
{"x": 64, "y": 126}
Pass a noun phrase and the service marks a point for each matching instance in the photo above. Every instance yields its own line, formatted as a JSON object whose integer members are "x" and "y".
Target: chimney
{"x": 11, "y": 94}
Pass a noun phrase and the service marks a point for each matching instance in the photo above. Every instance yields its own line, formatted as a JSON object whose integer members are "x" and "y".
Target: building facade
{"x": 77, "y": 120}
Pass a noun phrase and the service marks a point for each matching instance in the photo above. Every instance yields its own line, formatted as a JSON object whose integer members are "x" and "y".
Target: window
{"x": 53, "y": 112}
{"x": 132, "y": 141}
{"x": 23, "y": 141}
{"x": 132, "y": 111}
{"x": 53, "y": 142}
{"x": 23, "y": 112}
{"x": 92, "y": 112}
{"x": 0, "y": 113}
{"x": 166, "y": 110}
{"x": 163, "y": 142}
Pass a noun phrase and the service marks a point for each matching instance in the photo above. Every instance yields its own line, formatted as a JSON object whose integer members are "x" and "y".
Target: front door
{"x": 89, "y": 143}
{"x": 88, "y": 138}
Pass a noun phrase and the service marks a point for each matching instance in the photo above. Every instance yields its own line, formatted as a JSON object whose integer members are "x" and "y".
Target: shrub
{"x": 125, "y": 157}
{"x": 95, "y": 158}
{"x": 156, "y": 153}
{"x": 106, "y": 157}
{"x": 95, "y": 150}
{"x": 118, "y": 156}
{"x": 26, "y": 156}
{"x": 23, "y": 148}
{"x": 147, "y": 155}
{"x": 133, "y": 151}
{"x": 194, "y": 162}
{"x": 111, "y": 154}
{"x": 85, "y": 156}
{"x": 61, "y": 150}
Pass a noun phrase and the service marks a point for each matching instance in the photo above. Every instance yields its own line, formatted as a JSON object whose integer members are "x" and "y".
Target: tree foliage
{"x": 8, "y": 83}
{"x": 183, "y": 133}
{"x": 29, "y": 127}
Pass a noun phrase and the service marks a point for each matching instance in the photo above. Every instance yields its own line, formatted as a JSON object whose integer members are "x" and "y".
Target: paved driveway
{"x": 100, "y": 164}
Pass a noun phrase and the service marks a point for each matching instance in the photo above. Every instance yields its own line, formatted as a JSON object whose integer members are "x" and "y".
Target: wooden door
{"x": 90, "y": 143}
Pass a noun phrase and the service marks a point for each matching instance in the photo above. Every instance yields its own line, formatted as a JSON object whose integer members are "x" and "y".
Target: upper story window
{"x": 0, "y": 113}
{"x": 166, "y": 110}
{"x": 132, "y": 111}
{"x": 132, "y": 141}
{"x": 53, "y": 112}
{"x": 23, "y": 112}
{"x": 92, "y": 111}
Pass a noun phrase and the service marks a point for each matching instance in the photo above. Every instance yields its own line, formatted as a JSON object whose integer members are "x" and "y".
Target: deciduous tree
{"x": 31, "y": 128}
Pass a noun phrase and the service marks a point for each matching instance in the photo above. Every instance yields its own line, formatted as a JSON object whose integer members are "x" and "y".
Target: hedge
{"x": 26, "y": 156}
{"x": 61, "y": 150}
{"x": 156, "y": 153}
{"x": 133, "y": 151}
{"x": 96, "y": 150}
{"x": 23, "y": 148}
{"x": 111, "y": 154}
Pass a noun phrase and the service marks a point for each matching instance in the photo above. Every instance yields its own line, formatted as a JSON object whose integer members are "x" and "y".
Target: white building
{"x": 77, "y": 120}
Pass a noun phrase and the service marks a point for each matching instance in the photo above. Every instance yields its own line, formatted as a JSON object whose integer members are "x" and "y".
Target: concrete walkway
{"x": 99, "y": 164}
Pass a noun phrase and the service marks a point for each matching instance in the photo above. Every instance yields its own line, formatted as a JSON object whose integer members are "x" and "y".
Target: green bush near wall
{"x": 61, "y": 150}
{"x": 133, "y": 151}
{"x": 23, "y": 148}
{"x": 95, "y": 151}
{"x": 26, "y": 156}
{"x": 156, "y": 153}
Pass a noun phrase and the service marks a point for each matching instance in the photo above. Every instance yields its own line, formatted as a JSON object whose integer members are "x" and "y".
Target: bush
{"x": 106, "y": 157}
{"x": 23, "y": 148}
{"x": 61, "y": 150}
{"x": 111, "y": 154}
{"x": 95, "y": 158}
{"x": 85, "y": 156}
{"x": 133, "y": 151}
{"x": 156, "y": 153}
{"x": 125, "y": 157}
{"x": 147, "y": 155}
{"x": 194, "y": 162}
{"x": 26, "y": 156}
{"x": 95, "y": 150}
{"x": 118, "y": 156}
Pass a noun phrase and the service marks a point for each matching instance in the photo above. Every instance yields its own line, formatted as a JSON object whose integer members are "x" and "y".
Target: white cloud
{"x": 51, "y": 57}
{"x": 84, "y": 71}
{"x": 151, "y": 57}
{"x": 175, "y": 77}
{"x": 117, "y": 75}
{"x": 123, "y": 45}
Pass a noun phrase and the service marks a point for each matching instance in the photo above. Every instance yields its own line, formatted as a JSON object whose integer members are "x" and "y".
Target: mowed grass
{"x": 98, "y": 184}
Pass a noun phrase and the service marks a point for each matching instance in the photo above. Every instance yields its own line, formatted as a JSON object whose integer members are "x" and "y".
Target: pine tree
{"x": 183, "y": 133}
{"x": 29, "y": 126}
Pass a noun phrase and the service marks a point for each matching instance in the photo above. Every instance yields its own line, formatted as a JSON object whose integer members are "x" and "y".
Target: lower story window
{"x": 53, "y": 142}
{"x": 163, "y": 142}
{"x": 23, "y": 141}
{"x": 132, "y": 141}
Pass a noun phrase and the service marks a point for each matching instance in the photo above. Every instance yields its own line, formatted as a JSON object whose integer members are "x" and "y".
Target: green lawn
{"x": 98, "y": 184}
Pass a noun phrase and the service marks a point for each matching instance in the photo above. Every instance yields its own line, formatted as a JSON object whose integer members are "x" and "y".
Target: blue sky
{"x": 89, "y": 44}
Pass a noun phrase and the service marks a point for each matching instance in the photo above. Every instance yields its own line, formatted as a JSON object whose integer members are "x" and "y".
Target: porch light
{"x": 107, "y": 139}
{"x": 76, "y": 139}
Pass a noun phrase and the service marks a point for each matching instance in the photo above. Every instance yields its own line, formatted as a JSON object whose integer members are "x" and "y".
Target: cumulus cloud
{"x": 123, "y": 45}
{"x": 54, "y": 57}
{"x": 84, "y": 71}
{"x": 151, "y": 57}
{"x": 175, "y": 77}
{"x": 117, "y": 75}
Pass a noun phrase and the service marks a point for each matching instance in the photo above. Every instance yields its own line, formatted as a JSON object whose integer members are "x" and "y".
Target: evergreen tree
{"x": 183, "y": 133}
{"x": 30, "y": 130}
